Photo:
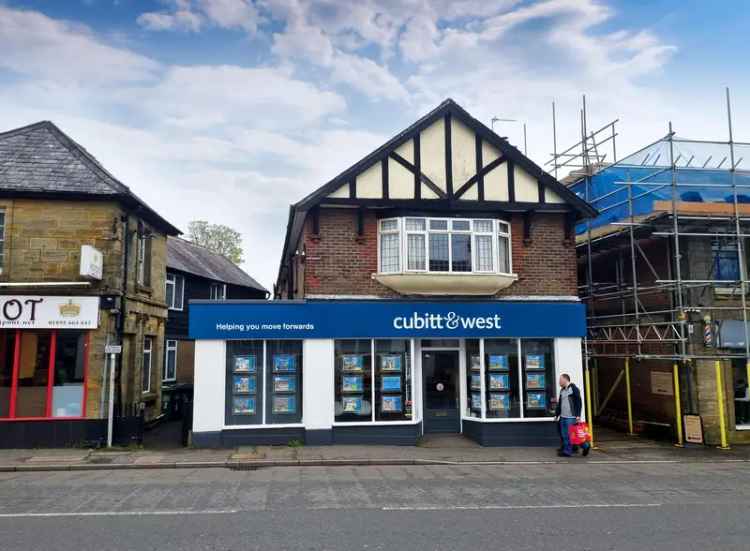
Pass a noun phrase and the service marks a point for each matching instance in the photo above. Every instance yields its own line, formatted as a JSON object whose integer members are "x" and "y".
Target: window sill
{"x": 449, "y": 283}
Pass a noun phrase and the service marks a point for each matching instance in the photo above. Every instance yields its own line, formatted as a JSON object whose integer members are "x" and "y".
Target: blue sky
{"x": 229, "y": 110}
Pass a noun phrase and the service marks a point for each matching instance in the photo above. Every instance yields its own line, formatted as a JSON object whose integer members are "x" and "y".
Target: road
{"x": 577, "y": 506}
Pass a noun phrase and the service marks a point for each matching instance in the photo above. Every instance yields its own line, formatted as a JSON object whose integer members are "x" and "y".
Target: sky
{"x": 230, "y": 110}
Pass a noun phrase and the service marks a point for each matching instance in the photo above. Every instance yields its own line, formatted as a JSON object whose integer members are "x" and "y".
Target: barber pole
{"x": 708, "y": 334}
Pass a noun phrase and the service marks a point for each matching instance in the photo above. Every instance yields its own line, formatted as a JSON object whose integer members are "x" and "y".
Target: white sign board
{"x": 661, "y": 383}
{"x": 113, "y": 349}
{"x": 92, "y": 262}
{"x": 48, "y": 312}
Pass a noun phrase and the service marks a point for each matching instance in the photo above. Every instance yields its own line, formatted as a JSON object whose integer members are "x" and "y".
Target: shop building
{"x": 194, "y": 273}
{"x": 431, "y": 287}
{"x": 82, "y": 265}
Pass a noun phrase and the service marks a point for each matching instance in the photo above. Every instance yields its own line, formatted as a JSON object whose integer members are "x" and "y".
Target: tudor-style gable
{"x": 451, "y": 158}
{"x": 447, "y": 164}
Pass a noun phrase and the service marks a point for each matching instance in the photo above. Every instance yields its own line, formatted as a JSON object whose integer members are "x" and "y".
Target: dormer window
{"x": 444, "y": 245}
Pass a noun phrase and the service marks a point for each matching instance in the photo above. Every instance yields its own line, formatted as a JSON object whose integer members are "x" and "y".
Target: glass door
{"x": 441, "y": 391}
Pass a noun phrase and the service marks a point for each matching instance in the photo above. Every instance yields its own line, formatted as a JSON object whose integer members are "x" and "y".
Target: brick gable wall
{"x": 338, "y": 261}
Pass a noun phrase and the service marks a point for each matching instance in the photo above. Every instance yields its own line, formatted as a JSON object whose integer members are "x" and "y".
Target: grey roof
{"x": 42, "y": 159}
{"x": 194, "y": 259}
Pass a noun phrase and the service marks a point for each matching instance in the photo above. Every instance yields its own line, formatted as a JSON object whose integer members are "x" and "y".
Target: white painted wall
{"x": 569, "y": 359}
{"x": 209, "y": 385}
{"x": 318, "y": 384}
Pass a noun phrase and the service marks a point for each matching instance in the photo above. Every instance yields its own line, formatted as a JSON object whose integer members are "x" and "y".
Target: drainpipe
{"x": 121, "y": 321}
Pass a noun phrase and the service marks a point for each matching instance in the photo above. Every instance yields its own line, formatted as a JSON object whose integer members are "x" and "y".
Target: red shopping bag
{"x": 579, "y": 434}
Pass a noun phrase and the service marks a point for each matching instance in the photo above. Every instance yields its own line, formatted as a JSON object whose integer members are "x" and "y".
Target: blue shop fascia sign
{"x": 332, "y": 319}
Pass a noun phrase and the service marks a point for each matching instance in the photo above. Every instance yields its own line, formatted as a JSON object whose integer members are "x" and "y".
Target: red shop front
{"x": 44, "y": 368}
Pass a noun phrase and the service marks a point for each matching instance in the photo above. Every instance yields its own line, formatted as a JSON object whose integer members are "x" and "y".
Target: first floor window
{"x": 725, "y": 260}
{"x": 511, "y": 379}
{"x": 175, "y": 291}
{"x": 148, "y": 343}
{"x": 143, "y": 255}
{"x": 444, "y": 245}
{"x": 373, "y": 380}
{"x": 264, "y": 382}
{"x": 170, "y": 360}
{"x": 218, "y": 291}
{"x": 42, "y": 373}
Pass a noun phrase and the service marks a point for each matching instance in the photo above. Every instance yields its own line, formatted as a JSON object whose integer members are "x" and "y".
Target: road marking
{"x": 119, "y": 513}
{"x": 511, "y": 507}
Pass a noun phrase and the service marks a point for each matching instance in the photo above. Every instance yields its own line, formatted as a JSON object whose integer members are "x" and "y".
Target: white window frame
{"x": 372, "y": 421}
{"x": 171, "y": 297}
{"x": 500, "y": 230}
{"x": 222, "y": 295}
{"x": 396, "y": 231}
{"x": 148, "y": 352}
{"x": 170, "y": 346}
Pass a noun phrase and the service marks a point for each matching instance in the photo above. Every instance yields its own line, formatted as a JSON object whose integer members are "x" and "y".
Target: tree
{"x": 217, "y": 238}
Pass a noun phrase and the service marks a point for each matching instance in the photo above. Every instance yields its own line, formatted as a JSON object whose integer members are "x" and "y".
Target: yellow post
{"x": 677, "y": 405}
{"x": 589, "y": 410}
{"x": 720, "y": 400}
{"x": 628, "y": 397}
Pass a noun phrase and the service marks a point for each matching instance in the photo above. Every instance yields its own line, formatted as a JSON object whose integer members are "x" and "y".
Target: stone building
{"x": 82, "y": 265}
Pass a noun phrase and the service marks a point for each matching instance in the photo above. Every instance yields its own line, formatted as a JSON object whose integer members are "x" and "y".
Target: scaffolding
{"x": 645, "y": 290}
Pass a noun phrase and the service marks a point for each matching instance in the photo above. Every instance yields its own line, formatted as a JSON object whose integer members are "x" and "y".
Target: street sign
{"x": 113, "y": 349}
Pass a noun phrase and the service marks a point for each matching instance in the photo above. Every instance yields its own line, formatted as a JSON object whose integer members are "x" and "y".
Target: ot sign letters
{"x": 384, "y": 319}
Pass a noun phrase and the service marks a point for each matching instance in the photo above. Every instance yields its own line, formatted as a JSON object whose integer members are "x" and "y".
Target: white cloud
{"x": 192, "y": 15}
{"x": 36, "y": 45}
{"x": 206, "y": 96}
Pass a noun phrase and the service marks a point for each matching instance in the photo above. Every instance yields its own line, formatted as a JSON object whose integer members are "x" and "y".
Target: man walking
{"x": 568, "y": 413}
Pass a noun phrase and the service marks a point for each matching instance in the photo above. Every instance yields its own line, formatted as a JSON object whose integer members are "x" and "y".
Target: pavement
{"x": 593, "y": 505}
{"x": 451, "y": 450}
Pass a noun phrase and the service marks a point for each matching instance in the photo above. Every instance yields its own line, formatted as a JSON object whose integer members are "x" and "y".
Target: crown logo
{"x": 69, "y": 310}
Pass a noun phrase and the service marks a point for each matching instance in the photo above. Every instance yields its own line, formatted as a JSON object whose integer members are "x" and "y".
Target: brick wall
{"x": 338, "y": 261}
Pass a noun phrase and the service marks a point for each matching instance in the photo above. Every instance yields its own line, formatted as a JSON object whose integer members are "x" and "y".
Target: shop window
{"x": 175, "y": 291}
{"x": 444, "y": 245}
{"x": 473, "y": 379}
{"x": 148, "y": 345}
{"x": 393, "y": 388}
{"x": 69, "y": 372}
{"x": 33, "y": 374}
{"x": 353, "y": 380}
{"x": 218, "y": 291}
{"x": 379, "y": 390}
{"x": 284, "y": 382}
{"x": 502, "y": 392}
{"x": 170, "y": 360}
{"x": 244, "y": 382}
{"x": 49, "y": 368}
{"x": 7, "y": 348}
{"x": 264, "y": 382}
{"x": 538, "y": 377}
{"x": 502, "y": 385}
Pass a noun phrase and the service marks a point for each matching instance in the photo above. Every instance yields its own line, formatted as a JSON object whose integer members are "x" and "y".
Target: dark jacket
{"x": 575, "y": 402}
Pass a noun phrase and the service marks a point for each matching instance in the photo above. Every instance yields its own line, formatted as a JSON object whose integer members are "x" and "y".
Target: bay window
{"x": 452, "y": 245}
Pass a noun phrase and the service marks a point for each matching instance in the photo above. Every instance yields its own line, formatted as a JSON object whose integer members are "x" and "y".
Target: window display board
{"x": 393, "y": 392}
{"x": 353, "y": 380}
{"x": 244, "y": 380}
{"x": 538, "y": 377}
{"x": 284, "y": 384}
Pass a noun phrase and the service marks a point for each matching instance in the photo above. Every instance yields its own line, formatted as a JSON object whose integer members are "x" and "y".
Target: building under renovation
{"x": 663, "y": 272}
